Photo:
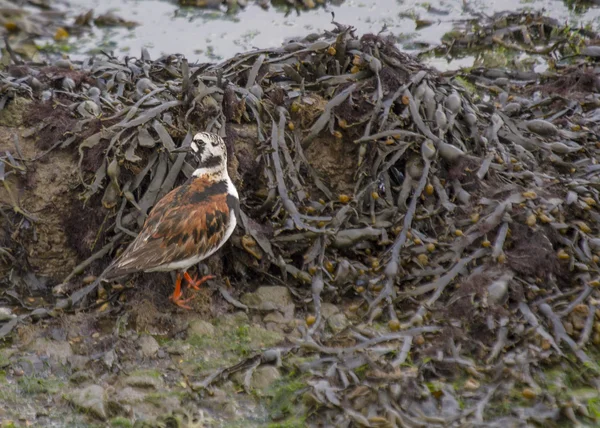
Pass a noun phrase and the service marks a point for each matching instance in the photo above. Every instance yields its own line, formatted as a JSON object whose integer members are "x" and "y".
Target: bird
{"x": 188, "y": 224}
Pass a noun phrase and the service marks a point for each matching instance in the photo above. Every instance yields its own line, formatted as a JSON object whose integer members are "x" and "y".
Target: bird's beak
{"x": 181, "y": 149}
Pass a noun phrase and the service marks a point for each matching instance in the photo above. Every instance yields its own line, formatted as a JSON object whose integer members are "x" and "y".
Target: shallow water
{"x": 211, "y": 35}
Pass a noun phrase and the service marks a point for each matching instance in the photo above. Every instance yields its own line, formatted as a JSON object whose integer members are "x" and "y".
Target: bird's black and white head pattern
{"x": 210, "y": 152}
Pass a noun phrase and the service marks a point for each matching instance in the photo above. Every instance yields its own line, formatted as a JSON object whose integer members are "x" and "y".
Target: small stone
{"x": 277, "y": 328}
{"x": 569, "y": 328}
{"x": 109, "y": 358}
{"x": 328, "y": 310}
{"x": 128, "y": 395}
{"x": 6, "y": 314}
{"x": 29, "y": 365}
{"x": 148, "y": 346}
{"x": 264, "y": 376}
{"x": 178, "y": 348}
{"x": 268, "y": 298}
{"x": 337, "y": 322}
{"x": 78, "y": 362}
{"x": 144, "y": 381}
{"x": 234, "y": 320}
{"x": 275, "y": 317}
{"x": 89, "y": 400}
{"x": 200, "y": 328}
{"x": 80, "y": 377}
{"x": 55, "y": 350}
{"x": 471, "y": 384}
{"x": 58, "y": 334}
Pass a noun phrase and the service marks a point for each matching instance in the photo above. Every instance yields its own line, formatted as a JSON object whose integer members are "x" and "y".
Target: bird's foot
{"x": 181, "y": 302}
{"x": 176, "y": 297}
{"x": 196, "y": 283}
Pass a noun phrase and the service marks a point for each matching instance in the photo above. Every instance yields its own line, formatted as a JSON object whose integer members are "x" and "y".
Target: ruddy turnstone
{"x": 189, "y": 223}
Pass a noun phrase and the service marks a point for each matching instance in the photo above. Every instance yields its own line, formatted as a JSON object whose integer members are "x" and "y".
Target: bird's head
{"x": 210, "y": 154}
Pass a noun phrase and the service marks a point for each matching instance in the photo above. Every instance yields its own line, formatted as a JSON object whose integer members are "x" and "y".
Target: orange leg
{"x": 176, "y": 296}
{"x": 195, "y": 283}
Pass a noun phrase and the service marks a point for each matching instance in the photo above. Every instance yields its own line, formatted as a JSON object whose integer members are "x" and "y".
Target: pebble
{"x": 148, "y": 346}
{"x": 328, "y": 310}
{"x": 337, "y": 322}
{"x": 89, "y": 400}
{"x": 264, "y": 377}
{"x": 144, "y": 381}
{"x": 6, "y": 314}
{"x": 55, "y": 350}
{"x": 200, "y": 328}
{"x": 268, "y": 298}
{"x": 128, "y": 395}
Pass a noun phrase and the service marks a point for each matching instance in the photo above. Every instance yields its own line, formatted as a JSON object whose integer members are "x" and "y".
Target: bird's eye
{"x": 215, "y": 143}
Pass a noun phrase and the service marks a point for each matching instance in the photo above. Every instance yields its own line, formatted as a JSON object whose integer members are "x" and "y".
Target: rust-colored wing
{"x": 189, "y": 221}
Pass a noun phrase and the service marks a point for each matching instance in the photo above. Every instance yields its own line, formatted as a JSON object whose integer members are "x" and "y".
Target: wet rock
{"x": 268, "y": 298}
{"x": 178, "y": 348}
{"x": 58, "y": 334}
{"x": 144, "y": 381}
{"x": 264, "y": 377}
{"x": 6, "y": 314}
{"x": 234, "y": 320}
{"x": 29, "y": 365}
{"x": 80, "y": 377}
{"x": 78, "y": 362}
{"x": 89, "y": 400}
{"x": 328, "y": 310}
{"x": 55, "y": 350}
{"x": 109, "y": 358}
{"x": 148, "y": 346}
{"x": 200, "y": 328}
{"x": 275, "y": 317}
{"x": 276, "y": 321}
{"x": 128, "y": 395}
{"x": 337, "y": 322}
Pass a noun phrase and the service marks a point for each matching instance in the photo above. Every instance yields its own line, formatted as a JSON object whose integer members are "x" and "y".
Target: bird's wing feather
{"x": 190, "y": 220}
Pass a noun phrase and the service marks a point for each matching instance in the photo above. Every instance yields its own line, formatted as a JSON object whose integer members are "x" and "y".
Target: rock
{"x": 6, "y": 314}
{"x": 234, "y": 320}
{"x": 29, "y": 365}
{"x": 328, "y": 310}
{"x": 264, "y": 377}
{"x": 337, "y": 322}
{"x": 268, "y": 298}
{"x": 275, "y": 317}
{"x": 78, "y": 362}
{"x": 80, "y": 377}
{"x": 89, "y": 400}
{"x": 55, "y": 350}
{"x": 200, "y": 328}
{"x": 58, "y": 334}
{"x": 128, "y": 395}
{"x": 109, "y": 358}
{"x": 178, "y": 348}
{"x": 144, "y": 381}
{"x": 148, "y": 346}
